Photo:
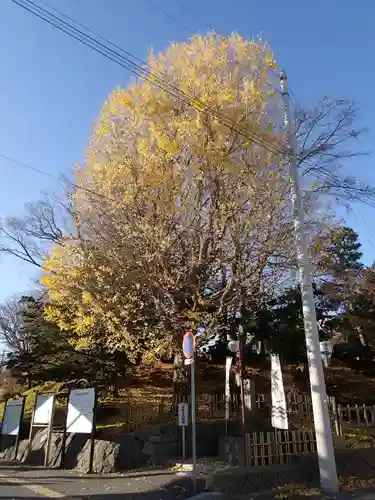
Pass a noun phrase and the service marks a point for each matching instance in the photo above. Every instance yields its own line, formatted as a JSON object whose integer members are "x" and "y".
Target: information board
{"x": 12, "y": 417}
{"x": 43, "y": 409}
{"x": 80, "y": 416}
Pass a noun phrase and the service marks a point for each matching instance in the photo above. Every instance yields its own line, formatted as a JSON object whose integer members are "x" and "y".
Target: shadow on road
{"x": 144, "y": 488}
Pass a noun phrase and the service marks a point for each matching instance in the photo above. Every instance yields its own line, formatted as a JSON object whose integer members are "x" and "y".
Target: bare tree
{"x": 28, "y": 238}
{"x": 325, "y": 135}
{"x": 11, "y": 332}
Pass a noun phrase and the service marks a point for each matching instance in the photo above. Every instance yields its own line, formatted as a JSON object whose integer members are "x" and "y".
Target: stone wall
{"x": 115, "y": 450}
{"x": 304, "y": 470}
{"x": 231, "y": 450}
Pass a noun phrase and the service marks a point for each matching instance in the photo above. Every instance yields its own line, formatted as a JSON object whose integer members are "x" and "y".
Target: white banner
{"x": 326, "y": 349}
{"x": 12, "y": 417}
{"x": 228, "y": 365}
{"x": 43, "y": 409}
{"x": 279, "y": 410}
{"x": 81, "y": 411}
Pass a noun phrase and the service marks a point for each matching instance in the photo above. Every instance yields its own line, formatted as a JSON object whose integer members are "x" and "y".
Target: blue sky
{"x": 52, "y": 87}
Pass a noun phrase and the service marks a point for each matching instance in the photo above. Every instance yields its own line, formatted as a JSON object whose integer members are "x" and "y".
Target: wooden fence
{"x": 211, "y": 407}
{"x": 355, "y": 416}
{"x": 276, "y": 448}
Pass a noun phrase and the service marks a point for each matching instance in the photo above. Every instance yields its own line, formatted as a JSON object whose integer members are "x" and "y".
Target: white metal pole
{"x": 193, "y": 423}
{"x": 324, "y": 444}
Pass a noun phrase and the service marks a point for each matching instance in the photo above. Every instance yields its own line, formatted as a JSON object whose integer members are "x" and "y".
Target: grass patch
{"x": 301, "y": 491}
{"x": 356, "y": 438}
{"x": 297, "y": 491}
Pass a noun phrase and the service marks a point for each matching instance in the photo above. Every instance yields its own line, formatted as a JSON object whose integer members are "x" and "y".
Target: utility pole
{"x": 323, "y": 433}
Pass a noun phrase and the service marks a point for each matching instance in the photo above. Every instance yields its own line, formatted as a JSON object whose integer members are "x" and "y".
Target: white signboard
{"x": 228, "y": 365}
{"x": 279, "y": 411}
{"x": 81, "y": 411}
{"x": 12, "y": 417}
{"x": 43, "y": 409}
{"x": 183, "y": 414}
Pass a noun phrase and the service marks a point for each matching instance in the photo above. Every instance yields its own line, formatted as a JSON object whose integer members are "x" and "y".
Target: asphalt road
{"x": 30, "y": 483}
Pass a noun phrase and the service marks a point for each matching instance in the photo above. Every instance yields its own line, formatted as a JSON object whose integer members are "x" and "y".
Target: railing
{"x": 351, "y": 416}
{"x": 211, "y": 407}
{"x": 276, "y": 448}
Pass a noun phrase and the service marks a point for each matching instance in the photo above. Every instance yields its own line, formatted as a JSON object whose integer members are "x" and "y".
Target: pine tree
{"x": 359, "y": 318}
{"x": 340, "y": 264}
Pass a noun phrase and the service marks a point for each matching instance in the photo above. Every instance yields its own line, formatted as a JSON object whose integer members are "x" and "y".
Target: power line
{"x": 127, "y": 61}
{"x": 198, "y": 18}
{"x": 367, "y": 226}
{"x": 166, "y": 13}
{"x": 52, "y": 176}
{"x": 132, "y": 56}
{"x": 34, "y": 169}
{"x": 256, "y": 136}
{"x": 139, "y": 71}
{"x": 293, "y": 100}
{"x": 192, "y": 13}
{"x": 159, "y": 83}
{"x": 129, "y": 54}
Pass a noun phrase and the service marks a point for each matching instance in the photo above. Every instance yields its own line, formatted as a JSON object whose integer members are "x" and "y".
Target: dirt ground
{"x": 154, "y": 382}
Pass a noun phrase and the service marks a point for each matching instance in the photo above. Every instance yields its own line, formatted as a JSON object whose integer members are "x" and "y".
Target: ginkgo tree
{"x": 182, "y": 214}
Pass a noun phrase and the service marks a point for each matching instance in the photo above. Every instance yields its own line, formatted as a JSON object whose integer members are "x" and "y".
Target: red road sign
{"x": 188, "y": 345}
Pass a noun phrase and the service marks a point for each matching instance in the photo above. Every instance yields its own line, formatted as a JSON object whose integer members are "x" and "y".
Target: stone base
{"x": 154, "y": 445}
{"x": 232, "y": 450}
{"x": 303, "y": 470}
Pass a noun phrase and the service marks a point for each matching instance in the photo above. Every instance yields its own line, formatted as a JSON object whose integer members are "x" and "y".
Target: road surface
{"x": 31, "y": 483}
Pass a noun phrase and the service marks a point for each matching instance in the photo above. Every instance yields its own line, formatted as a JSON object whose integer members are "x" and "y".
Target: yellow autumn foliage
{"x": 178, "y": 214}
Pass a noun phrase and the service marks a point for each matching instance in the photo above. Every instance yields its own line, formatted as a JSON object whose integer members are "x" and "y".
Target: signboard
{"x": 12, "y": 417}
{"x": 80, "y": 416}
{"x": 279, "y": 416}
{"x": 326, "y": 349}
{"x": 188, "y": 345}
{"x": 43, "y": 409}
{"x": 183, "y": 414}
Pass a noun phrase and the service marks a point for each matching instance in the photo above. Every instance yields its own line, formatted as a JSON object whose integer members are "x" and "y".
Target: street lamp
{"x": 233, "y": 345}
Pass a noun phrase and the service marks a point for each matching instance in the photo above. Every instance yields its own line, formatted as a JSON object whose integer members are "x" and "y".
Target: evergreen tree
{"x": 280, "y": 324}
{"x": 340, "y": 264}
{"x": 359, "y": 318}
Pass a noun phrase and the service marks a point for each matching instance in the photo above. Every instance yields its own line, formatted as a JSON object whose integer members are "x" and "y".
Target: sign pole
{"x": 49, "y": 433}
{"x": 193, "y": 424}
{"x": 92, "y": 437}
{"x": 183, "y": 421}
{"x": 183, "y": 443}
{"x": 19, "y": 429}
{"x": 32, "y": 421}
{"x": 188, "y": 347}
{"x": 63, "y": 441}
